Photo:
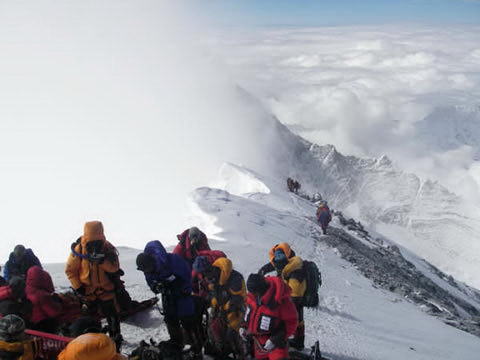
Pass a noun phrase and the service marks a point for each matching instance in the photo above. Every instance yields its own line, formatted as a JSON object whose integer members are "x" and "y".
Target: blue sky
{"x": 340, "y": 12}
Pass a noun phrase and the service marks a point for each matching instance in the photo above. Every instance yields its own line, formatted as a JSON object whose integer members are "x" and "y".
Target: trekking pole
{"x": 157, "y": 306}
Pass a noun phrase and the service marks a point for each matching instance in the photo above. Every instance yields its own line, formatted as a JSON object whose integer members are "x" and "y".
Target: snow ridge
{"x": 379, "y": 301}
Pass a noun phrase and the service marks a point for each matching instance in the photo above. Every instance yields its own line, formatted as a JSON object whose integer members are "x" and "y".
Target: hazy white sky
{"x": 108, "y": 110}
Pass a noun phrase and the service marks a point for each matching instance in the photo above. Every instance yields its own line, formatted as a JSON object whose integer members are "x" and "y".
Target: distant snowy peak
{"x": 449, "y": 128}
{"x": 432, "y": 218}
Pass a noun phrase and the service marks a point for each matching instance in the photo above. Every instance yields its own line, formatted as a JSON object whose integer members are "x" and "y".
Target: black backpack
{"x": 164, "y": 350}
{"x": 313, "y": 276}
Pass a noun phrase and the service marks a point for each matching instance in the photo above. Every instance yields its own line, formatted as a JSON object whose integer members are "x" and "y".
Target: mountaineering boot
{"x": 298, "y": 341}
{"x": 176, "y": 334}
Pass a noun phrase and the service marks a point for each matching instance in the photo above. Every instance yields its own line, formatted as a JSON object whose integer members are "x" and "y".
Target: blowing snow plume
{"x": 110, "y": 111}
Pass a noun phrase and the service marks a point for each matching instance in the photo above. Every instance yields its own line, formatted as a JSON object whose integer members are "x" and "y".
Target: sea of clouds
{"x": 411, "y": 92}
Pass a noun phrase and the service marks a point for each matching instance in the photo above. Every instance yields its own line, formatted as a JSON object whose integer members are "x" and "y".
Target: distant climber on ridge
{"x": 324, "y": 216}
{"x": 293, "y": 185}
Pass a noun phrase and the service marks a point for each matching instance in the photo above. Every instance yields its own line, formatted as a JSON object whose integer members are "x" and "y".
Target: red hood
{"x": 37, "y": 278}
{"x": 276, "y": 293}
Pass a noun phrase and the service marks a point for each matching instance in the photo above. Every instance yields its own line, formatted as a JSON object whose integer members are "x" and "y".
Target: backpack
{"x": 313, "y": 276}
{"x": 165, "y": 350}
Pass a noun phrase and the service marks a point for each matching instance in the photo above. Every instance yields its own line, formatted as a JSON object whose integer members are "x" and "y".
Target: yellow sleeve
{"x": 72, "y": 270}
{"x": 298, "y": 288}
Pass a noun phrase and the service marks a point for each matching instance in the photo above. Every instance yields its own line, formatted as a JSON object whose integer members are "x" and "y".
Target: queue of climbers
{"x": 323, "y": 213}
{"x": 206, "y": 302}
{"x": 293, "y": 185}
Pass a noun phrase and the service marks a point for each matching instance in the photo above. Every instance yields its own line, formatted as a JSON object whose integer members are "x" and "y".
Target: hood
{"x": 162, "y": 265}
{"x": 28, "y": 255}
{"x": 37, "y": 278}
{"x": 93, "y": 230}
{"x": 282, "y": 246}
{"x": 226, "y": 267}
{"x": 277, "y": 292}
{"x": 211, "y": 255}
{"x": 90, "y": 347}
{"x": 294, "y": 263}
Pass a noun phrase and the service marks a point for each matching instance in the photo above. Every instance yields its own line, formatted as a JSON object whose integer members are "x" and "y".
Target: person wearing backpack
{"x": 289, "y": 267}
{"x": 204, "y": 259}
{"x": 324, "y": 216}
{"x": 227, "y": 293}
{"x": 200, "y": 287}
{"x": 19, "y": 261}
{"x": 169, "y": 275}
{"x": 190, "y": 242}
{"x": 91, "y": 262}
{"x": 270, "y": 317}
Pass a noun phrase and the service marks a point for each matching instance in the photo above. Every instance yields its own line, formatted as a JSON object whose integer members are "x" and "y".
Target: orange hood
{"x": 282, "y": 246}
{"x": 91, "y": 347}
{"x": 93, "y": 230}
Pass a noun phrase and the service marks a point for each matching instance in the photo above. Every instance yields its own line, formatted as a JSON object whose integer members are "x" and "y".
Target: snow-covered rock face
{"x": 432, "y": 221}
{"x": 421, "y": 215}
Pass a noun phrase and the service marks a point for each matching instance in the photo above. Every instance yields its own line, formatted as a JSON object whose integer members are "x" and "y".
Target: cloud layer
{"x": 367, "y": 89}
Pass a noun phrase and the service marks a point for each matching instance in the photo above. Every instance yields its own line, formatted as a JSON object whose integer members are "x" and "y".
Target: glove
{"x": 80, "y": 291}
{"x": 158, "y": 288}
{"x": 243, "y": 334}
{"x": 269, "y": 346}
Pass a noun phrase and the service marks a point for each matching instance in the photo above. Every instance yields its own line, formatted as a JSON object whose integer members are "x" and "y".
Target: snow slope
{"x": 434, "y": 222}
{"x": 357, "y": 320}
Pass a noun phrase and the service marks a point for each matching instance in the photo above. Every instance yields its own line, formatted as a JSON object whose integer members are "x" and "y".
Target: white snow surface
{"x": 356, "y": 321}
